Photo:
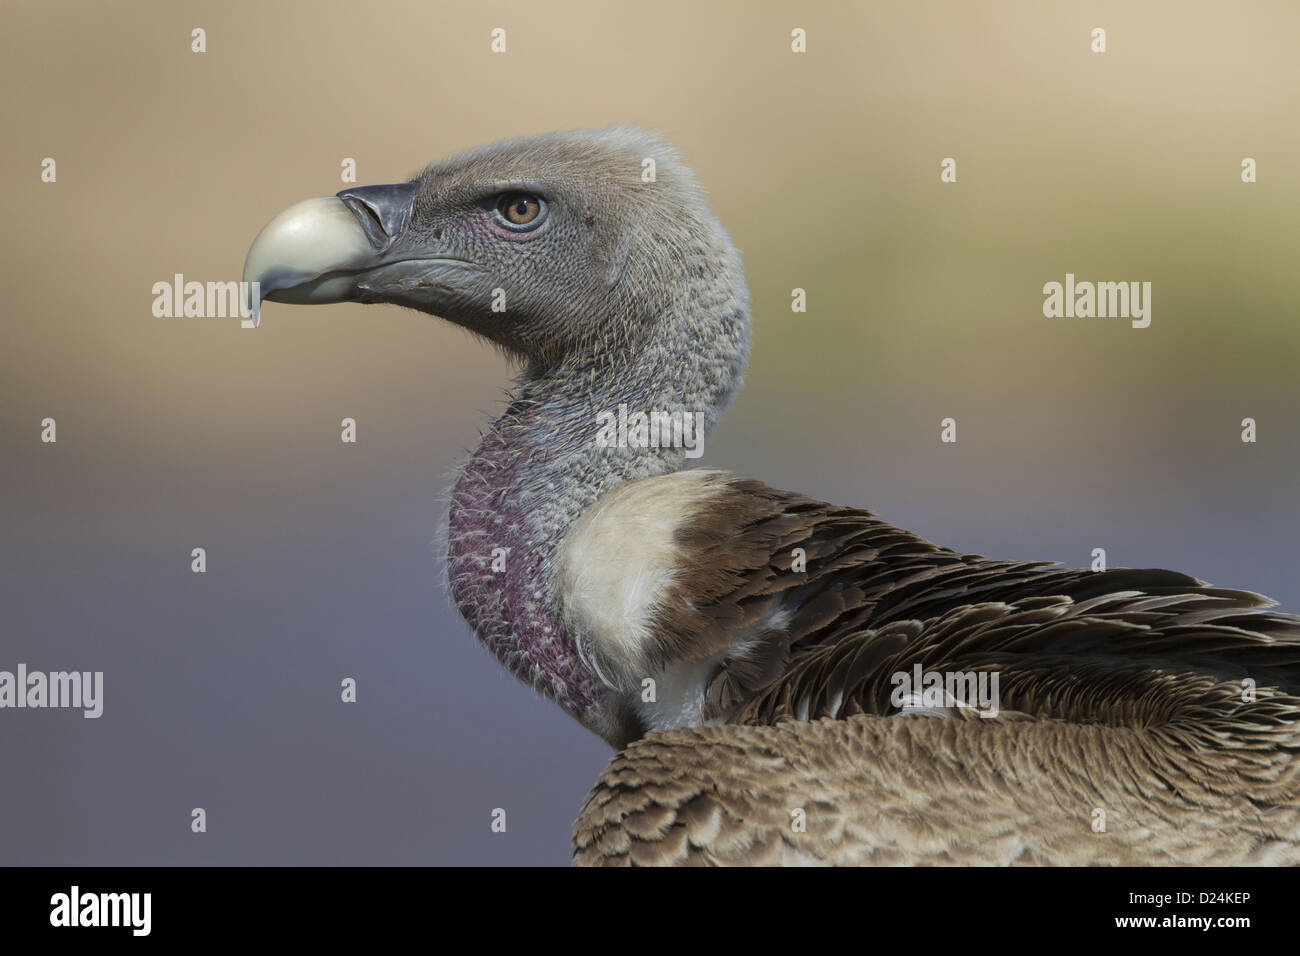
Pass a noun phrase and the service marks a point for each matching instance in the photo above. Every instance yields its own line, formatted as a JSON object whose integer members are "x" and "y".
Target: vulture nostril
{"x": 369, "y": 218}
{"x": 381, "y": 211}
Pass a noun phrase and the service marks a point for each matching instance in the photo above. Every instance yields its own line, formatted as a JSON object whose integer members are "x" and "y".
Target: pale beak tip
{"x": 300, "y": 244}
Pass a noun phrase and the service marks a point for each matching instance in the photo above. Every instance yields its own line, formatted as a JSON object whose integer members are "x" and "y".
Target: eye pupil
{"x": 519, "y": 209}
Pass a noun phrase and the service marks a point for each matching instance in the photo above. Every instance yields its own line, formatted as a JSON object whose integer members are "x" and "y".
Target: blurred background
{"x": 924, "y": 302}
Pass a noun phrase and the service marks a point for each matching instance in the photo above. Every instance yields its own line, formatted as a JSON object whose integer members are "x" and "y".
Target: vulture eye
{"x": 520, "y": 211}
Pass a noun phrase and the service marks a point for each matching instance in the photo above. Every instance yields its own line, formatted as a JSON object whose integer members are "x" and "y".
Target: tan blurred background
{"x": 924, "y": 301}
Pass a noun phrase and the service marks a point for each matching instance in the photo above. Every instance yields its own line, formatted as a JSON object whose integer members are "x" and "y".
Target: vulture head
{"x": 568, "y": 246}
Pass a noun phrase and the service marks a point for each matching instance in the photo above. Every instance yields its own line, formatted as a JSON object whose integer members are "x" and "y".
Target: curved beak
{"x": 314, "y": 251}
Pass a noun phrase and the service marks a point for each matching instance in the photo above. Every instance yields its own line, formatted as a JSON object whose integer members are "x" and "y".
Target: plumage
{"x": 749, "y": 651}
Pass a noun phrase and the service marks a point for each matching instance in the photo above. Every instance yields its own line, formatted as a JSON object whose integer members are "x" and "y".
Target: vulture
{"x": 784, "y": 681}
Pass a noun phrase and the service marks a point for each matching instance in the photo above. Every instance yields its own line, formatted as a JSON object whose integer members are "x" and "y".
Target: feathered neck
{"x": 540, "y": 465}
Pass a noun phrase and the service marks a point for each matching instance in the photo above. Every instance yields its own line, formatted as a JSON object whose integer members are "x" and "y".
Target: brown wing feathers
{"x": 1126, "y": 686}
{"x": 863, "y": 575}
